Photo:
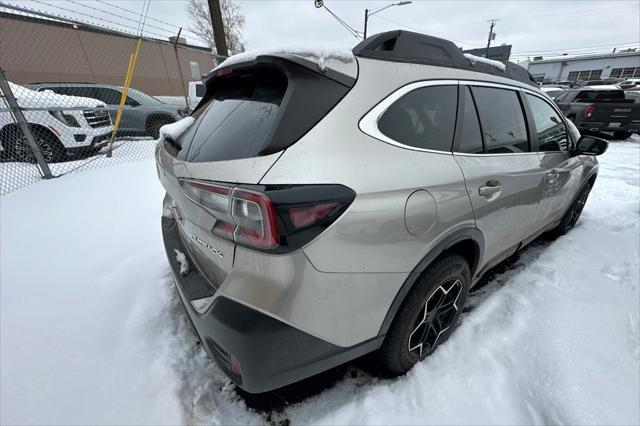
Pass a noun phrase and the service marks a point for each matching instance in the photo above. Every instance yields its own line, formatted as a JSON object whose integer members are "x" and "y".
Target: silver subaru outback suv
{"x": 317, "y": 211}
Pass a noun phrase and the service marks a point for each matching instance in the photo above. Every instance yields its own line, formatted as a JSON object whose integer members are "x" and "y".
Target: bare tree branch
{"x": 200, "y": 23}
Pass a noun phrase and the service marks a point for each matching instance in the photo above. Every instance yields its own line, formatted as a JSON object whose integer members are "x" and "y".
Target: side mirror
{"x": 590, "y": 145}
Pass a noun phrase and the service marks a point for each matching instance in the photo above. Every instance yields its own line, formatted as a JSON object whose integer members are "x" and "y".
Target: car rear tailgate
{"x": 250, "y": 114}
{"x": 212, "y": 254}
{"x": 616, "y": 112}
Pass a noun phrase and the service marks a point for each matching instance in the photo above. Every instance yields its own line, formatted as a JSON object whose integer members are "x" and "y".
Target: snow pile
{"x": 473, "y": 59}
{"x": 319, "y": 55}
{"x": 92, "y": 331}
{"x": 182, "y": 261}
{"x": 176, "y": 129}
{"x": 28, "y": 98}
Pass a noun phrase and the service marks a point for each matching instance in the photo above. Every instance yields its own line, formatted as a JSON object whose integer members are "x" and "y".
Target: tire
{"x": 52, "y": 150}
{"x": 572, "y": 215}
{"x": 428, "y": 315}
{"x": 621, "y": 134}
{"x": 156, "y": 123}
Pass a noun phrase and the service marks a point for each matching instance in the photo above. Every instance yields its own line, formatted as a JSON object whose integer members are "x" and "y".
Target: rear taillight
{"x": 255, "y": 219}
{"x": 308, "y": 215}
{"x": 589, "y": 111}
{"x": 272, "y": 218}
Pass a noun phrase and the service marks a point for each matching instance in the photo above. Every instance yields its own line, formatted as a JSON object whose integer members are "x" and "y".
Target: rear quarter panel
{"x": 372, "y": 235}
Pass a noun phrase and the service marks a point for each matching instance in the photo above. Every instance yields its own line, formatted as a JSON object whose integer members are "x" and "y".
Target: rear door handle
{"x": 491, "y": 187}
{"x": 552, "y": 176}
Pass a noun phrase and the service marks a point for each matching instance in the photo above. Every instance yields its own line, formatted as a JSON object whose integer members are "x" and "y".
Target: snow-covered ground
{"x": 92, "y": 330}
{"x": 14, "y": 175}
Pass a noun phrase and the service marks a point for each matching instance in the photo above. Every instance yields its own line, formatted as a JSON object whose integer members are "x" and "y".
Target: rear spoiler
{"x": 281, "y": 59}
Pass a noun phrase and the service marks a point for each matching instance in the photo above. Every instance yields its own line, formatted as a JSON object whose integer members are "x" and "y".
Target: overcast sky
{"x": 532, "y": 27}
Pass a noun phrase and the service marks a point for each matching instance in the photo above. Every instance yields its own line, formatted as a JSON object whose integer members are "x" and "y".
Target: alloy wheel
{"x": 437, "y": 316}
{"x": 23, "y": 152}
{"x": 578, "y": 207}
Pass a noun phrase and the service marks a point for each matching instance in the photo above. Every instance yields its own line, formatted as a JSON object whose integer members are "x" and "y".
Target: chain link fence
{"x": 62, "y": 82}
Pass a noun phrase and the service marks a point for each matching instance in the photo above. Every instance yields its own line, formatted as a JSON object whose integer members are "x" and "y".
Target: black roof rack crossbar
{"x": 416, "y": 48}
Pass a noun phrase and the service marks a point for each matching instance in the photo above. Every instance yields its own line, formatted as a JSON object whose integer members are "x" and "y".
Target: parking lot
{"x": 91, "y": 321}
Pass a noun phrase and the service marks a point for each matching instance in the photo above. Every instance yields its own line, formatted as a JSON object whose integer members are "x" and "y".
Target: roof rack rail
{"x": 416, "y": 48}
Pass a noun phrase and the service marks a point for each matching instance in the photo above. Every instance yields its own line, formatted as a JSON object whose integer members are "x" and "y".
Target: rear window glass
{"x": 591, "y": 95}
{"x": 259, "y": 110}
{"x": 238, "y": 121}
{"x": 200, "y": 90}
{"x": 424, "y": 118}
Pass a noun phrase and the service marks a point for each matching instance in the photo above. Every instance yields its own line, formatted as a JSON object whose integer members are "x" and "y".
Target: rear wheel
{"x": 50, "y": 147}
{"x": 428, "y": 315}
{"x": 572, "y": 215}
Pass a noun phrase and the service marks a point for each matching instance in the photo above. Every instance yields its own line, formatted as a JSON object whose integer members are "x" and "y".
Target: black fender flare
{"x": 593, "y": 175}
{"x": 465, "y": 234}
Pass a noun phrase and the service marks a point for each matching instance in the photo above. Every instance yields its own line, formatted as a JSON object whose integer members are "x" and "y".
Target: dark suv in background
{"x": 142, "y": 115}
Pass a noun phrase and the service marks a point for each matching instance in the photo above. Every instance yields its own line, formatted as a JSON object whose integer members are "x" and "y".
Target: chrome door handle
{"x": 492, "y": 187}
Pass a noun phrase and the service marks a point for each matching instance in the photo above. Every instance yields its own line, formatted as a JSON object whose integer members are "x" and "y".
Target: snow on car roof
{"x": 28, "y": 98}
{"x": 319, "y": 55}
{"x": 473, "y": 59}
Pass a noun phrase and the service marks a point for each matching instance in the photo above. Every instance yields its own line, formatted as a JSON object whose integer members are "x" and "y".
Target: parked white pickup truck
{"x": 61, "y": 125}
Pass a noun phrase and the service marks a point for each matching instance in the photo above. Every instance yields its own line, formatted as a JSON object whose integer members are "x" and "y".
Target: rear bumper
{"x": 605, "y": 127}
{"x": 257, "y": 351}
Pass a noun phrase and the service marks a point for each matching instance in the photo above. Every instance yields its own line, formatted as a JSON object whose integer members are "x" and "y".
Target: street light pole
{"x": 366, "y": 18}
{"x": 367, "y": 13}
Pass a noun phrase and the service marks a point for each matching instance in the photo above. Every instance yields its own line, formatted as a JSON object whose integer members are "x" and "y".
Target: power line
{"x": 565, "y": 17}
{"x": 97, "y": 18}
{"x": 562, "y": 50}
{"x": 124, "y": 9}
{"x": 420, "y": 30}
{"x": 601, "y": 11}
{"x": 119, "y": 16}
{"x": 533, "y": 18}
{"x": 351, "y": 30}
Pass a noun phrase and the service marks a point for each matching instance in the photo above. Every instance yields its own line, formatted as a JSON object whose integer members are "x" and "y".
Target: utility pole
{"x": 218, "y": 28}
{"x": 492, "y": 36}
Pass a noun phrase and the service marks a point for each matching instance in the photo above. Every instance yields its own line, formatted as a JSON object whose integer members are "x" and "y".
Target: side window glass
{"x": 424, "y": 118}
{"x": 108, "y": 96}
{"x": 129, "y": 102}
{"x": 503, "y": 124}
{"x": 70, "y": 91}
{"x": 551, "y": 131}
{"x": 562, "y": 97}
{"x": 470, "y": 136}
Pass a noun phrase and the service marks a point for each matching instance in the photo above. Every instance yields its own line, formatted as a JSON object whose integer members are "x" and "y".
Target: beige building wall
{"x": 36, "y": 50}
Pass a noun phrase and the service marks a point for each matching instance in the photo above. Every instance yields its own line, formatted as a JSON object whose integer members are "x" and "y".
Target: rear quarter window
{"x": 423, "y": 118}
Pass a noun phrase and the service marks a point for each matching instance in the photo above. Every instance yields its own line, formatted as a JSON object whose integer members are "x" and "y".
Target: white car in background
{"x": 552, "y": 91}
{"x": 61, "y": 125}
